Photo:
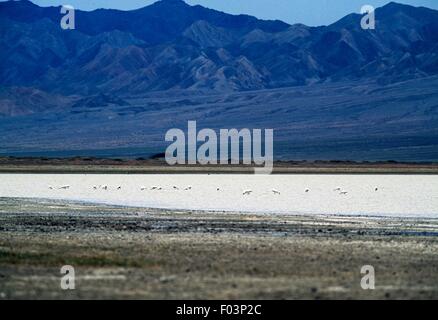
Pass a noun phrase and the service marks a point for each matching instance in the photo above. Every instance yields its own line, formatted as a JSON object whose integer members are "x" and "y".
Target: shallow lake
{"x": 380, "y": 195}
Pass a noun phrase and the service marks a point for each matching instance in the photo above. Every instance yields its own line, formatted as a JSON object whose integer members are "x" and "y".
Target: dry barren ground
{"x": 159, "y": 165}
{"x": 137, "y": 253}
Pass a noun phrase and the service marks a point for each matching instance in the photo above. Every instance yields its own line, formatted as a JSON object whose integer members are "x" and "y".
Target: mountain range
{"x": 171, "y": 45}
{"x": 133, "y": 60}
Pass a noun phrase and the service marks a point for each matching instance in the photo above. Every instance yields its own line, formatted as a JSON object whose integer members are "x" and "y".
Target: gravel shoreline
{"x": 139, "y": 253}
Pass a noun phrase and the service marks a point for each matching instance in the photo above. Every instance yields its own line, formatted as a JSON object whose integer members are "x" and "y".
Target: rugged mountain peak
{"x": 172, "y": 1}
{"x": 171, "y": 44}
{"x": 396, "y": 6}
{"x": 19, "y": 3}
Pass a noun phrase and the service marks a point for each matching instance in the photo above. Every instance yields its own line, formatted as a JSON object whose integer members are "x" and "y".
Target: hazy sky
{"x": 310, "y": 12}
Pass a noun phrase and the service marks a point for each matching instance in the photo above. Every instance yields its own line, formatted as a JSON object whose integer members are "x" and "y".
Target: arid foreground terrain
{"x": 139, "y": 253}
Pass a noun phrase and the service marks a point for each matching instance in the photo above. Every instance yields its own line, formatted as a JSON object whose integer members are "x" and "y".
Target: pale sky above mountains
{"x": 315, "y": 12}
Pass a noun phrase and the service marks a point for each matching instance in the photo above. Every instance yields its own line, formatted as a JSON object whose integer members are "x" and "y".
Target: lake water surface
{"x": 380, "y": 195}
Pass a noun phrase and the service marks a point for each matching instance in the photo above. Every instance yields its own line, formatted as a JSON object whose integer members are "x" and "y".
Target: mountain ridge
{"x": 183, "y": 47}
{"x": 122, "y": 79}
{"x": 180, "y": 46}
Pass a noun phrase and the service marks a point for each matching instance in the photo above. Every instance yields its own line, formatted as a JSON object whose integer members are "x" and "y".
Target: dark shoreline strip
{"x": 219, "y": 170}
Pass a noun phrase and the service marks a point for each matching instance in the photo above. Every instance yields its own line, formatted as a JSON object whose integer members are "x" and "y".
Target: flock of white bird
{"x": 158, "y": 188}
